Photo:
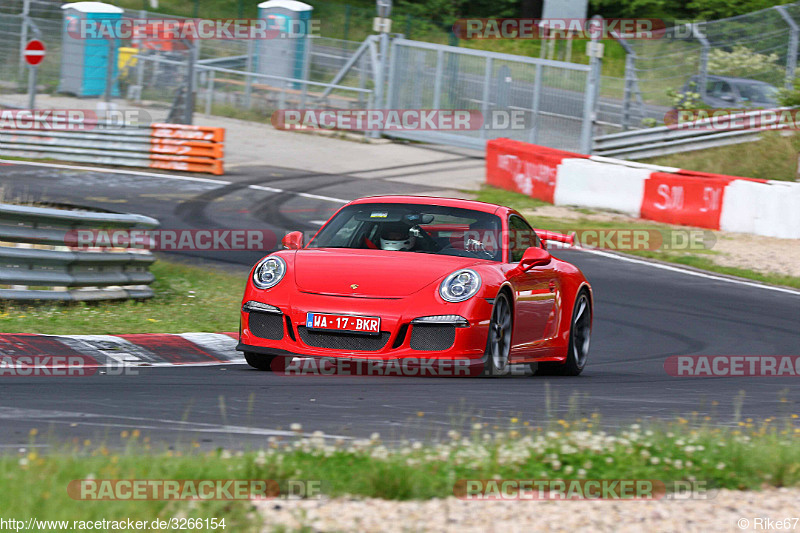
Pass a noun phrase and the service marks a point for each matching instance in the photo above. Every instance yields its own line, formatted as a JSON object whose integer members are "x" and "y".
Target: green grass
{"x": 774, "y": 158}
{"x": 690, "y": 258}
{"x": 752, "y": 455}
{"x": 494, "y": 195}
{"x": 186, "y": 299}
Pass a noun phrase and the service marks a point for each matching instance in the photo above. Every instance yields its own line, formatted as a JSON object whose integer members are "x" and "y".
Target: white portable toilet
{"x": 84, "y": 60}
{"x": 287, "y": 23}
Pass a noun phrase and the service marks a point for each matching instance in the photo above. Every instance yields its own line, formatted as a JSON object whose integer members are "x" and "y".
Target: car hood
{"x": 377, "y": 273}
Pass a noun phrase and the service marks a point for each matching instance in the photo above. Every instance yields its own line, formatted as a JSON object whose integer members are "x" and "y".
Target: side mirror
{"x": 293, "y": 240}
{"x": 533, "y": 256}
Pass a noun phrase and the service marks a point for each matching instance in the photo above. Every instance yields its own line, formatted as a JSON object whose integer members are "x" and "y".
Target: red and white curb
{"x": 147, "y": 349}
{"x": 664, "y": 194}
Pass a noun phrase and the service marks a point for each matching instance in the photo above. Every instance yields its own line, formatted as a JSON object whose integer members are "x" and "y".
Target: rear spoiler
{"x": 554, "y": 236}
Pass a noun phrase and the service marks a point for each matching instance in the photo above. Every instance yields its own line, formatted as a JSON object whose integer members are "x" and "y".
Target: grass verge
{"x": 186, "y": 298}
{"x": 773, "y": 158}
{"x": 697, "y": 258}
{"x": 748, "y": 456}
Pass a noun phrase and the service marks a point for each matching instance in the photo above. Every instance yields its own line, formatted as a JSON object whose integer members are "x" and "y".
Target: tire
{"x": 579, "y": 337}
{"x": 498, "y": 345}
{"x": 259, "y": 361}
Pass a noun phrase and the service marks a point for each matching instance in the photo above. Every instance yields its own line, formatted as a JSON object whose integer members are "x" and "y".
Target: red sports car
{"x": 408, "y": 278}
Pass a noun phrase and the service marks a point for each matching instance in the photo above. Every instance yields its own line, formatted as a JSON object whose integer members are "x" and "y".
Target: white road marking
{"x": 7, "y": 413}
{"x": 173, "y": 177}
{"x": 680, "y": 270}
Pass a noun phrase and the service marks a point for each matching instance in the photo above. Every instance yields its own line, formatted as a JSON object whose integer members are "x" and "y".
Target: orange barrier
{"x": 188, "y": 148}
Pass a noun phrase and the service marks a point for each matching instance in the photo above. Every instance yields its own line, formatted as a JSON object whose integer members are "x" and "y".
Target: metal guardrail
{"x": 37, "y": 264}
{"x": 162, "y": 146}
{"x": 664, "y": 140}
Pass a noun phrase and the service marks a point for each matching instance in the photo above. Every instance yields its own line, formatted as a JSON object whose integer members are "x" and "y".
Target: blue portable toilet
{"x": 85, "y": 54}
{"x": 284, "y": 54}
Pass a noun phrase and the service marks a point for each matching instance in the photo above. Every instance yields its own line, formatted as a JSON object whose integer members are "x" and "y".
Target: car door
{"x": 534, "y": 289}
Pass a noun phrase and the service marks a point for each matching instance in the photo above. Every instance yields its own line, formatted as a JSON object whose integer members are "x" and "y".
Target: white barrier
{"x": 599, "y": 185}
{"x": 664, "y": 194}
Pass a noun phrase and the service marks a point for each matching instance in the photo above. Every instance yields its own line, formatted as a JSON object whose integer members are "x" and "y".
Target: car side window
{"x": 722, "y": 89}
{"x": 521, "y": 237}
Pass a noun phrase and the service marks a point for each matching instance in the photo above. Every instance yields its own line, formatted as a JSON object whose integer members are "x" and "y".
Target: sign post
{"x": 33, "y": 54}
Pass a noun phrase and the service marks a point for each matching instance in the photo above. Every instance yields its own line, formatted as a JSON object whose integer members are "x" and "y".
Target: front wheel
{"x": 579, "y": 336}
{"x": 498, "y": 346}
{"x": 260, "y": 361}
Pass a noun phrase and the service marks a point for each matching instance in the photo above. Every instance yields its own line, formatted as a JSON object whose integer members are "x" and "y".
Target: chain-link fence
{"x": 738, "y": 62}
{"x": 548, "y": 97}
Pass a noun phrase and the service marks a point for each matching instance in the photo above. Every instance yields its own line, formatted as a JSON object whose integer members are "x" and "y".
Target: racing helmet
{"x": 397, "y": 237}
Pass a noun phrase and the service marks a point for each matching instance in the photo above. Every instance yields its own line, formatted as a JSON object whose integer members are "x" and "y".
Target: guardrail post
{"x": 791, "y": 55}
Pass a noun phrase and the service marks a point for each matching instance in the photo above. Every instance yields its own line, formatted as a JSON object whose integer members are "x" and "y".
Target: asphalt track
{"x": 643, "y": 314}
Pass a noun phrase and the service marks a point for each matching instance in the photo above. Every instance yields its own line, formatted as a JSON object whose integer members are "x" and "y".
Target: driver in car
{"x": 397, "y": 236}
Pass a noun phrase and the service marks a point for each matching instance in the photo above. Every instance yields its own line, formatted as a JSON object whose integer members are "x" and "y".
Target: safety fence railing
{"x": 162, "y": 146}
{"x": 246, "y": 90}
{"x": 697, "y": 135}
{"x": 41, "y": 257}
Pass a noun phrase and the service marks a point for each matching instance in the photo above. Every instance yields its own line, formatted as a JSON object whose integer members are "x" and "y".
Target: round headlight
{"x": 459, "y": 286}
{"x": 269, "y": 272}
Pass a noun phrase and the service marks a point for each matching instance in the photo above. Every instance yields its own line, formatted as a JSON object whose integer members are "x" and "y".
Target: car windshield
{"x": 757, "y": 92}
{"x": 429, "y": 229}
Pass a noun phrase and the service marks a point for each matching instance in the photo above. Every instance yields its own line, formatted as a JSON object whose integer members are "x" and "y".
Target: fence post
{"x": 630, "y": 65}
{"x": 282, "y": 95}
{"x": 537, "y": 96}
{"x": 437, "y": 81}
{"x": 791, "y": 56}
{"x": 592, "y": 90}
{"x": 210, "y": 92}
{"x": 188, "y": 111}
{"x": 703, "y": 59}
{"x": 380, "y": 101}
{"x": 362, "y": 78}
{"x": 109, "y": 71}
{"x": 487, "y": 83}
{"x": 23, "y": 36}
{"x": 306, "y": 69}
{"x": 346, "y": 21}
{"x": 248, "y": 80}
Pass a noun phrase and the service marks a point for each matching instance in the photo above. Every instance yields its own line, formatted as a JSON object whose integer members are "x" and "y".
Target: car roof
{"x": 432, "y": 200}
{"x": 732, "y": 79}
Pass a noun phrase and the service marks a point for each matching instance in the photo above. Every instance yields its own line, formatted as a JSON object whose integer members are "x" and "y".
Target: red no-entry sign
{"x": 34, "y": 52}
